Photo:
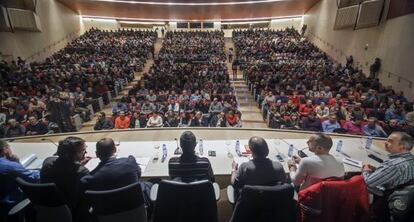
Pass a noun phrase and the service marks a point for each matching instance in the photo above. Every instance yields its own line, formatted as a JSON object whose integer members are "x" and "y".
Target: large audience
{"x": 188, "y": 85}
{"x": 296, "y": 85}
{"x": 300, "y": 87}
{"x": 39, "y": 98}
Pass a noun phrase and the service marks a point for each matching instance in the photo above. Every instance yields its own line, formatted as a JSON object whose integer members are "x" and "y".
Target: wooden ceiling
{"x": 185, "y": 10}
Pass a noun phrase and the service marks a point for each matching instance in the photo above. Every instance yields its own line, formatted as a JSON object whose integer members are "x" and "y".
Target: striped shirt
{"x": 190, "y": 168}
{"x": 398, "y": 170}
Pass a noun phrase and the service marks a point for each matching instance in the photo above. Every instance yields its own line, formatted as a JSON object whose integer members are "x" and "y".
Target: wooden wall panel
{"x": 180, "y": 12}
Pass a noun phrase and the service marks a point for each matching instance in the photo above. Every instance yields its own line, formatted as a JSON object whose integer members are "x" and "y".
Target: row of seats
{"x": 342, "y": 200}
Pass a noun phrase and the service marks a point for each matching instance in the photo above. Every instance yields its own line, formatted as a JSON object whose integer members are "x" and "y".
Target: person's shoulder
{"x": 203, "y": 159}
{"x": 8, "y": 164}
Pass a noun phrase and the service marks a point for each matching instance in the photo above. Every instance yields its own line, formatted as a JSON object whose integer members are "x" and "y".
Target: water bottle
{"x": 369, "y": 143}
{"x": 339, "y": 146}
{"x": 200, "y": 147}
{"x": 238, "y": 148}
{"x": 290, "y": 151}
{"x": 164, "y": 152}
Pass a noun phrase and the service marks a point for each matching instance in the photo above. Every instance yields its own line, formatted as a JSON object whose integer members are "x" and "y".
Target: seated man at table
{"x": 189, "y": 167}
{"x": 314, "y": 169}
{"x": 396, "y": 171}
{"x": 112, "y": 173}
{"x": 258, "y": 171}
{"x": 66, "y": 171}
{"x": 10, "y": 168}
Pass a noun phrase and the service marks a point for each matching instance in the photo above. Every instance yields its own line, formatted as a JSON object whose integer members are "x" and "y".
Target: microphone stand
{"x": 177, "y": 150}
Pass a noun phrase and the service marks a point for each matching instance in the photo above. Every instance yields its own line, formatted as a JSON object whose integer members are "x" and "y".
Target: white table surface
{"x": 221, "y": 163}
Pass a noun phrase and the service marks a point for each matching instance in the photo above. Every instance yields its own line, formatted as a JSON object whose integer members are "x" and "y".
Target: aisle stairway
{"x": 251, "y": 116}
{"x": 88, "y": 126}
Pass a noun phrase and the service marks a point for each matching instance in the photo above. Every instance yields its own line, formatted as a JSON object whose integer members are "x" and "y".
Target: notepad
{"x": 27, "y": 160}
{"x": 352, "y": 162}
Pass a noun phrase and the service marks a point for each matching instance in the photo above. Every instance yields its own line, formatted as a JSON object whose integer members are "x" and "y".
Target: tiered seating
{"x": 72, "y": 84}
{"x": 284, "y": 71}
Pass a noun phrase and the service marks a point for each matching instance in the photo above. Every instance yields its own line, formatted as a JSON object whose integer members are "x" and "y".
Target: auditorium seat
{"x": 334, "y": 200}
{"x": 124, "y": 204}
{"x": 263, "y": 203}
{"x": 47, "y": 200}
{"x": 185, "y": 202}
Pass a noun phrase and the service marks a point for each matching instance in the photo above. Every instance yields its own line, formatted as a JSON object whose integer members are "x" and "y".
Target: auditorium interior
{"x": 207, "y": 111}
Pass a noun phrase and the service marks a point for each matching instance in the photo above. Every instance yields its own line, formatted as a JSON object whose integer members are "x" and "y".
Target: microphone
{"x": 177, "y": 150}
{"x": 49, "y": 140}
{"x": 302, "y": 154}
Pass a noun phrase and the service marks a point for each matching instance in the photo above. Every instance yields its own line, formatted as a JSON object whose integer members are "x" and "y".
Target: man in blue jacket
{"x": 10, "y": 168}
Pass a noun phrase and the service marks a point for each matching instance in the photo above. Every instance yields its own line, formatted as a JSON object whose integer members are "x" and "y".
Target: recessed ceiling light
{"x": 191, "y": 3}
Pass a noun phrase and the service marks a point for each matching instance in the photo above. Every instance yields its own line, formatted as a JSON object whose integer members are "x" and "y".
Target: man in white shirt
{"x": 313, "y": 169}
{"x": 155, "y": 120}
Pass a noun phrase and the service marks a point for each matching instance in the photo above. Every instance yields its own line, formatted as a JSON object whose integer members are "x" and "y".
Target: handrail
{"x": 70, "y": 36}
{"x": 382, "y": 71}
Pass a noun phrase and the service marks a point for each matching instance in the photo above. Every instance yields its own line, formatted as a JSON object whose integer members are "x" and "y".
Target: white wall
{"x": 286, "y": 23}
{"x": 102, "y": 24}
{"x": 392, "y": 41}
{"x": 59, "y": 26}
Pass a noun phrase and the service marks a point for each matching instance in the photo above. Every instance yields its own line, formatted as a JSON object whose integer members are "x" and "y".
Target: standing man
{"x": 314, "y": 169}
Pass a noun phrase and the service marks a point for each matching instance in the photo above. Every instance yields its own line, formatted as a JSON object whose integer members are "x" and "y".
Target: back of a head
{"x": 188, "y": 142}
{"x": 105, "y": 148}
{"x": 323, "y": 140}
{"x": 69, "y": 147}
{"x": 258, "y": 146}
{"x": 3, "y": 145}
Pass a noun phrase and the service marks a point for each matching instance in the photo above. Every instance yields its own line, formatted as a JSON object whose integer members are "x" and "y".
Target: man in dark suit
{"x": 65, "y": 171}
{"x": 189, "y": 167}
{"x": 260, "y": 170}
{"x": 112, "y": 173}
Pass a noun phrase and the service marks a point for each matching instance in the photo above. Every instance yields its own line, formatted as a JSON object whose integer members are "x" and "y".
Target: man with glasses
{"x": 66, "y": 171}
{"x": 10, "y": 168}
{"x": 310, "y": 170}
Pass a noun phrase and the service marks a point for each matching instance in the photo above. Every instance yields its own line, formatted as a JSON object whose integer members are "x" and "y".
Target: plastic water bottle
{"x": 164, "y": 152}
{"x": 200, "y": 147}
{"x": 369, "y": 143}
{"x": 339, "y": 146}
{"x": 290, "y": 151}
{"x": 238, "y": 148}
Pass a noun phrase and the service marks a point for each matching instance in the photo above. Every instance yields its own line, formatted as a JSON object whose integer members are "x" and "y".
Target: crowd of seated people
{"x": 70, "y": 81}
{"x": 188, "y": 86}
{"x": 299, "y": 87}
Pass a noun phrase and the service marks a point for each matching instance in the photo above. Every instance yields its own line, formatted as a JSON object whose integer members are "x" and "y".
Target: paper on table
{"x": 240, "y": 160}
{"x": 35, "y": 165}
{"x": 142, "y": 162}
{"x": 352, "y": 162}
{"x": 92, "y": 163}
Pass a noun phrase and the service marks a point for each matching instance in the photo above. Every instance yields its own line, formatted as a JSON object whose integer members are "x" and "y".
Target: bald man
{"x": 111, "y": 172}
{"x": 260, "y": 170}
